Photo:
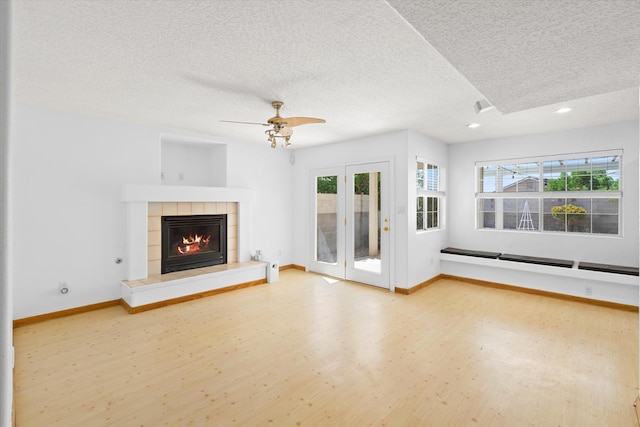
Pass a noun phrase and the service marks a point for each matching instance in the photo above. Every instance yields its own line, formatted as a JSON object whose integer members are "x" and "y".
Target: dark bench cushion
{"x": 537, "y": 260}
{"x": 466, "y": 252}
{"x": 619, "y": 269}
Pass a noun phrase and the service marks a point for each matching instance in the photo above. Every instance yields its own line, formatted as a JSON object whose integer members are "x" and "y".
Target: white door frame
{"x": 339, "y": 269}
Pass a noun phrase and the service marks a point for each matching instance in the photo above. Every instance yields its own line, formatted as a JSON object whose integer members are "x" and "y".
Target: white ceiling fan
{"x": 281, "y": 126}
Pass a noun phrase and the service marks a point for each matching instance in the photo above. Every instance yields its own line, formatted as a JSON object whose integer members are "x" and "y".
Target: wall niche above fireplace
{"x": 193, "y": 241}
{"x": 187, "y": 161}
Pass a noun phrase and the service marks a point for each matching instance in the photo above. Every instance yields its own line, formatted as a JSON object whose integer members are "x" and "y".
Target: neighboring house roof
{"x": 528, "y": 183}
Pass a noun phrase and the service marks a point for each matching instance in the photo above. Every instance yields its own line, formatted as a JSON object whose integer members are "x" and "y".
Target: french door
{"x": 351, "y": 224}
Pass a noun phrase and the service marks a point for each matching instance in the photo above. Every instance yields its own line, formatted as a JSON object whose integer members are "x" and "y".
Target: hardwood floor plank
{"x": 310, "y": 351}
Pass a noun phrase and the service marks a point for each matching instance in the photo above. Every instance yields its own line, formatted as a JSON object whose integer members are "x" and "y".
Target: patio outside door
{"x": 351, "y": 225}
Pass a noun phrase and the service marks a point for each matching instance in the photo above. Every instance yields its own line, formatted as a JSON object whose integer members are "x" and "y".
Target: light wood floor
{"x": 304, "y": 351}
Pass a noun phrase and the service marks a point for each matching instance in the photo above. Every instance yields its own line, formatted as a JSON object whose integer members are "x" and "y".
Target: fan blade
{"x": 297, "y": 121}
{"x": 246, "y": 123}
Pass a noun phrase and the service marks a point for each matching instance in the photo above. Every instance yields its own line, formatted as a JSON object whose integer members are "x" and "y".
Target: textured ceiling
{"x": 366, "y": 67}
{"x": 546, "y": 51}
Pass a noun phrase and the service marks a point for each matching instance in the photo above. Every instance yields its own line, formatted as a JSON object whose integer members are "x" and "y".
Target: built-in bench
{"x": 537, "y": 260}
{"x": 466, "y": 252}
{"x": 602, "y": 282}
{"x": 606, "y": 268}
{"x": 554, "y": 262}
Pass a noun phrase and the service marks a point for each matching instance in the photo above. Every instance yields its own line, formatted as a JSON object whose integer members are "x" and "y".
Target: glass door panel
{"x": 328, "y": 221}
{"x": 366, "y": 222}
{"x": 367, "y": 234}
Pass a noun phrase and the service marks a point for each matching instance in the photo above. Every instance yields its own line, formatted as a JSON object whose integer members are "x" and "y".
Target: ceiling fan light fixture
{"x": 286, "y": 131}
{"x": 280, "y": 127}
{"x": 271, "y": 138}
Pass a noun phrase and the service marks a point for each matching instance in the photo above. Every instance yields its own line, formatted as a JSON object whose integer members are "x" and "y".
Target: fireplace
{"x": 193, "y": 241}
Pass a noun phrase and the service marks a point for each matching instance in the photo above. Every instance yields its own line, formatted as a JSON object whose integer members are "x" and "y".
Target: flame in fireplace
{"x": 193, "y": 244}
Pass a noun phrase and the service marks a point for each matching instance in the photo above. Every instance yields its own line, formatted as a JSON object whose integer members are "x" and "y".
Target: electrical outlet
{"x": 588, "y": 291}
{"x": 63, "y": 288}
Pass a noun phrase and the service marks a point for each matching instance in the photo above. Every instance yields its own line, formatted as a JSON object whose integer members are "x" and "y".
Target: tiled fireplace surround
{"x": 155, "y": 210}
{"x": 143, "y": 285}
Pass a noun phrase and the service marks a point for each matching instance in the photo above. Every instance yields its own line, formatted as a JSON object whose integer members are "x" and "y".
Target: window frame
{"x": 429, "y": 189}
{"x": 542, "y": 194}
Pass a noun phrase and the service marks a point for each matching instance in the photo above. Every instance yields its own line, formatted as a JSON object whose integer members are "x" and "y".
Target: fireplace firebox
{"x": 193, "y": 241}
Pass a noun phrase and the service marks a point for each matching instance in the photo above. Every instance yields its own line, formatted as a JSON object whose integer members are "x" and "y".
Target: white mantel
{"x": 176, "y": 193}
{"x": 137, "y": 198}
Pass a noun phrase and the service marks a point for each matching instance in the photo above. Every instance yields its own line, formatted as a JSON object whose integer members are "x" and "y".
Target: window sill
{"x": 552, "y": 233}
{"x": 429, "y": 230}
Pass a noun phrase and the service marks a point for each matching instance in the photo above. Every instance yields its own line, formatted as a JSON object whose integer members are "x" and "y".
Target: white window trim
{"x": 440, "y": 194}
{"x": 561, "y": 156}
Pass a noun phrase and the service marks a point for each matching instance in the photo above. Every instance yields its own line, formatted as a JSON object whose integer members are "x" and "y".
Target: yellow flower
{"x": 572, "y": 213}
{"x": 568, "y": 209}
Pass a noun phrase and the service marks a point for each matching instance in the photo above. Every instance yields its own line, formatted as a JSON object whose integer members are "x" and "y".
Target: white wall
{"x": 268, "y": 171}
{"x": 602, "y": 249}
{"x": 424, "y": 247}
{"x": 69, "y": 224}
{"x": 69, "y": 220}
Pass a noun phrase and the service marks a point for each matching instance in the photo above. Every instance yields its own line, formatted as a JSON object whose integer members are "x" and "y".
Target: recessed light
{"x": 473, "y": 125}
{"x": 563, "y": 110}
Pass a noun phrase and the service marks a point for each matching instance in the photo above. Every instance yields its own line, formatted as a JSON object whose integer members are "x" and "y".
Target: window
{"x": 429, "y": 190}
{"x": 577, "y": 193}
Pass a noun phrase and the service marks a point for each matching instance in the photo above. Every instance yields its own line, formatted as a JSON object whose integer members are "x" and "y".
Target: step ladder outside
{"x": 526, "y": 223}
